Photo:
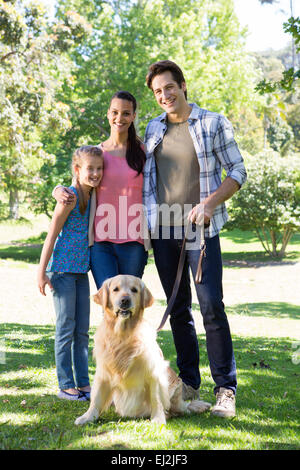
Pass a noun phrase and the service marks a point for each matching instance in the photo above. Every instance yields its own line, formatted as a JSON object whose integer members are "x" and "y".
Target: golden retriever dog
{"x": 131, "y": 372}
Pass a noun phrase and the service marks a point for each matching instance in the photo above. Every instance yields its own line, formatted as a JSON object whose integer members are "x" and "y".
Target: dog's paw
{"x": 198, "y": 406}
{"x": 81, "y": 420}
{"x": 159, "y": 419}
{"x": 86, "y": 418}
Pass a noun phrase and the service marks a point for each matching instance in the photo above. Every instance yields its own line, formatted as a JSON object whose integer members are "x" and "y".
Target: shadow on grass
{"x": 27, "y": 348}
{"x": 29, "y": 250}
{"x": 249, "y": 257}
{"x": 32, "y": 418}
{"x": 26, "y": 253}
{"x": 30, "y": 253}
{"x": 266, "y": 309}
{"x": 255, "y": 309}
{"x": 246, "y": 237}
{"x": 257, "y": 259}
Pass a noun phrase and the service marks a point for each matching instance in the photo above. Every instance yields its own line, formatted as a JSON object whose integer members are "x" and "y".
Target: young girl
{"x": 122, "y": 252}
{"x": 64, "y": 264}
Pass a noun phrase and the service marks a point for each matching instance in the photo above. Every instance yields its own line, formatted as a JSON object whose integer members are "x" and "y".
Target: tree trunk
{"x": 274, "y": 243}
{"x": 287, "y": 235}
{"x": 13, "y": 204}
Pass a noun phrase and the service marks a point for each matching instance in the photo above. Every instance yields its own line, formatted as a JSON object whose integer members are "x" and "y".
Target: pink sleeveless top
{"x": 119, "y": 211}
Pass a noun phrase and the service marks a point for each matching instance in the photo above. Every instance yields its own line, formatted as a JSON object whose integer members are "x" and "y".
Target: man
{"x": 187, "y": 147}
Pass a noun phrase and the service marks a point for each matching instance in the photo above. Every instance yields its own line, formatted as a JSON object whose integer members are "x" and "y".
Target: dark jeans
{"x": 110, "y": 259}
{"x": 210, "y": 297}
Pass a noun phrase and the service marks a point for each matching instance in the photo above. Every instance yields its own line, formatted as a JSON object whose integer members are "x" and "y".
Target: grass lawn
{"x": 32, "y": 417}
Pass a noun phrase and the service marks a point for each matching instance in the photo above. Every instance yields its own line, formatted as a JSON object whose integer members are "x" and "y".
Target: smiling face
{"x": 90, "y": 172}
{"x": 120, "y": 115}
{"x": 168, "y": 94}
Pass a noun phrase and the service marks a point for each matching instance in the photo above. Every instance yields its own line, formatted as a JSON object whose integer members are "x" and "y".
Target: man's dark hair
{"x": 165, "y": 66}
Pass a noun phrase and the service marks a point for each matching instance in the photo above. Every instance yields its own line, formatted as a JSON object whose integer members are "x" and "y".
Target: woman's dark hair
{"x": 165, "y": 66}
{"x": 135, "y": 155}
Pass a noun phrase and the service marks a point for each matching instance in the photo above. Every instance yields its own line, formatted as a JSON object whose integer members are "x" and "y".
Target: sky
{"x": 264, "y": 22}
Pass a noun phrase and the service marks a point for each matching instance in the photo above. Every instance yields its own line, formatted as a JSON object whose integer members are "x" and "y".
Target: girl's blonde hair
{"x": 77, "y": 159}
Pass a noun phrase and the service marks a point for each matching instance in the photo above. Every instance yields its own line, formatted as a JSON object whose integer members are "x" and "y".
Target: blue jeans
{"x": 110, "y": 259}
{"x": 210, "y": 297}
{"x": 71, "y": 297}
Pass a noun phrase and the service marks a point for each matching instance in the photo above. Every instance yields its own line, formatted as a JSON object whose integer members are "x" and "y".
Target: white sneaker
{"x": 225, "y": 404}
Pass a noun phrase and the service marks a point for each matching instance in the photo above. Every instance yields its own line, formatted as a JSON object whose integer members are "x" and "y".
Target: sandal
{"x": 69, "y": 396}
{"x": 87, "y": 395}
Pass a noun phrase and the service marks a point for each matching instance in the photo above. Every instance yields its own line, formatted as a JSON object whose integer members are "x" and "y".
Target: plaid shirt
{"x": 215, "y": 147}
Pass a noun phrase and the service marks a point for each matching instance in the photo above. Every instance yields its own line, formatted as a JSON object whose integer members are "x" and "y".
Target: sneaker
{"x": 189, "y": 393}
{"x": 225, "y": 405}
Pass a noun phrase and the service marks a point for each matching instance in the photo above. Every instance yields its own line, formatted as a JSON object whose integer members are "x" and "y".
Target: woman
{"x": 117, "y": 249}
{"x": 118, "y": 243}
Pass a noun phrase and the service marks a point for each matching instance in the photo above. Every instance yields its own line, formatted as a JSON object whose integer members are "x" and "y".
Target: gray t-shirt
{"x": 177, "y": 170}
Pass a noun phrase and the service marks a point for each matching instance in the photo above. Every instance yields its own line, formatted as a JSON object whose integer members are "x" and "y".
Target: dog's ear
{"x": 101, "y": 297}
{"x": 98, "y": 297}
{"x": 148, "y": 297}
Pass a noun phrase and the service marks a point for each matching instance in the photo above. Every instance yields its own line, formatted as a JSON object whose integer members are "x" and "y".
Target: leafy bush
{"x": 269, "y": 201}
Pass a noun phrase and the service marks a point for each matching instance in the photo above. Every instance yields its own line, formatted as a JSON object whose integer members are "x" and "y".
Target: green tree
{"x": 33, "y": 67}
{"x": 204, "y": 37}
{"x": 280, "y": 136}
{"x": 269, "y": 202}
{"x": 127, "y": 36}
{"x": 279, "y": 88}
{"x": 290, "y": 77}
{"x": 293, "y": 119}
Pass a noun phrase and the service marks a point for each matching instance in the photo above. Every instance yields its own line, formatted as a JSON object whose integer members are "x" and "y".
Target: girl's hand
{"x": 43, "y": 280}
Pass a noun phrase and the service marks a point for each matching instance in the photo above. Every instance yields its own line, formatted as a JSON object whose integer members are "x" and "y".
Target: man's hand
{"x": 201, "y": 214}
{"x": 64, "y": 195}
{"x": 205, "y": 210}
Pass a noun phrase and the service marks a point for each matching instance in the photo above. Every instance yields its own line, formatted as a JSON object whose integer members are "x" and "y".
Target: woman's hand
{"x": 64, "y": 195}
